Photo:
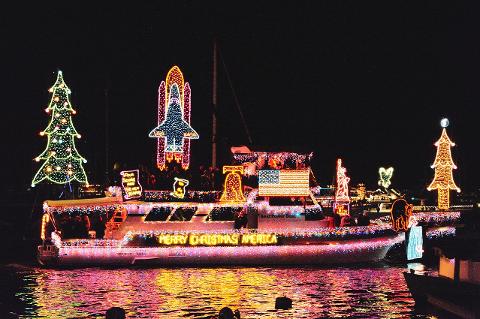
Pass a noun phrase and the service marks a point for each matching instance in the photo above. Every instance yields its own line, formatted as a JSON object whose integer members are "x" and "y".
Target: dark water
{"x": 373, "y": 292}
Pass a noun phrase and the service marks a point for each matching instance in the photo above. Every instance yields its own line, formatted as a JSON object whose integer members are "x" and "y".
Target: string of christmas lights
{"x": 190, "y": 195}
{"x": 272, "y": 160}
{"x": 448, "y": 231}
{"x": 238, "y": 252}
{"x": 435, "y": 217}
{"x": 426, "y": 218}
{"x": 85, "y": 209}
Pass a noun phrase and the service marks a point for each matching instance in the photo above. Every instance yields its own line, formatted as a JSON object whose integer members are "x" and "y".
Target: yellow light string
{"x": 45, "y": 220}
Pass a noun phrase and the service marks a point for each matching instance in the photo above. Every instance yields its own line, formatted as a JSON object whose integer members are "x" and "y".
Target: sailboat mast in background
{"x": 214, "y": 102}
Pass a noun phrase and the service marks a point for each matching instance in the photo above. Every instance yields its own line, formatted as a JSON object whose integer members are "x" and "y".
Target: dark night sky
{"x": 367, "y": 81}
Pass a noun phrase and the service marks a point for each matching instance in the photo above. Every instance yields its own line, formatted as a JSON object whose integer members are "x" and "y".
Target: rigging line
{"x": 245, "y": 127}
{"x": 34, "y": 207}
{"x": 313, "y": 176}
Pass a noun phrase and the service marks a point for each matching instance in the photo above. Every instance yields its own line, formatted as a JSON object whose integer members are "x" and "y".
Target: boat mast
{"x": 107, "y": 165}
{"x": 214, "y": 102}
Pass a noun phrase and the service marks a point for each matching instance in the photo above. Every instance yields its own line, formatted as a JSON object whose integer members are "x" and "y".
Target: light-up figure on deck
{"x": 342, "y": 199}
{"x": 385, "y": 176}
{"x": 174, "y": 131}
{"x": 179, "y": 186}
{"x": 400, "y": 215}
{"x": 232, "y": 189}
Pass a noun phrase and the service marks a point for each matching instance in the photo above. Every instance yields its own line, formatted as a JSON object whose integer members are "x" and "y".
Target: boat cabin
{"x": 111, "y": 218}
{"x": 459, "y": 264}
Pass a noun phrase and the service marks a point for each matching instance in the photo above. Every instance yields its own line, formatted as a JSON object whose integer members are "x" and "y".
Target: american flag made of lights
{"x": 283, "y": 182}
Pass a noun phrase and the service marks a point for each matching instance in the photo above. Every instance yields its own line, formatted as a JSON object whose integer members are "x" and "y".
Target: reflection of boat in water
{"x": 192, "y": 233}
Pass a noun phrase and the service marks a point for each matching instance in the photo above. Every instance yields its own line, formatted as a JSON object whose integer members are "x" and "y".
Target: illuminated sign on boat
{"x": 217, "y": 239}
{"x": 259, "y": 239}
{"x": 131, "y": 184}
{"x": 169, "y": 239}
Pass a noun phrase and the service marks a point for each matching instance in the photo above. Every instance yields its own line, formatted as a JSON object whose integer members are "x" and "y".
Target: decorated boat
{"x": 274, "y": 219}
{"x": 195, "y": 230}
{"x": 196, "y": 233}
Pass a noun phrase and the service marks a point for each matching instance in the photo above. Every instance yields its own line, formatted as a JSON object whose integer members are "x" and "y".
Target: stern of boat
{"x": 47, "y": 255}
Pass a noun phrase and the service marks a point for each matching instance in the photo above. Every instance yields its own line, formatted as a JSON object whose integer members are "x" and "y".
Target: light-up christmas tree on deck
{"x": 443, "y": 181}
{"x": 63, "y": 164}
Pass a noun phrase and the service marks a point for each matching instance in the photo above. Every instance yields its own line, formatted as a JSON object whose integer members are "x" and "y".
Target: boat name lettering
{"x": 292, "y": 215}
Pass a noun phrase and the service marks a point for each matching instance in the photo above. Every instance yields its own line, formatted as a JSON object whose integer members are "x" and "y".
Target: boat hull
{"x": 421, "y": 286}
{"x": 345, "y": 252}
{"x": 459, "y": 298}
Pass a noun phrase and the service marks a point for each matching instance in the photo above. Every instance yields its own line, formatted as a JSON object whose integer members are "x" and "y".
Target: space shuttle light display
{"x": 174, "y": 132}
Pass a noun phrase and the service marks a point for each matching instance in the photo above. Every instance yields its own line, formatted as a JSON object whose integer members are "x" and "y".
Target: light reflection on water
{"x": 374, "y": 292}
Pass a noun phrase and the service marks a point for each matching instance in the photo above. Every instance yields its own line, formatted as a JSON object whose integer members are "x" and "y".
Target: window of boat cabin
{"x": 76, "y": 223}
{"x": 286, "y": 201}
{"x": 183, "y": 214}
{"x": 224, "y": 213}
{"x": 313, "y": 213}
{"x": 158, "y": 214}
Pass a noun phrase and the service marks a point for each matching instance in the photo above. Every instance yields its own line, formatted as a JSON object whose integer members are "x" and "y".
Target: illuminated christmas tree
{"x": 443, "y": 181}
{"x": 63, "y": 164}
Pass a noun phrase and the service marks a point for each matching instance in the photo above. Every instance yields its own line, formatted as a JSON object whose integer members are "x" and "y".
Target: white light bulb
{"x": 444, "y": 122}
